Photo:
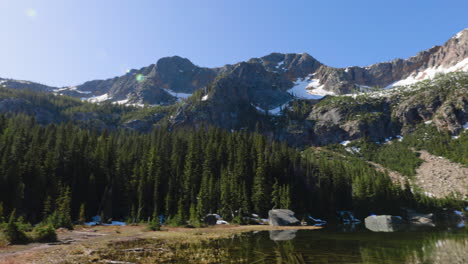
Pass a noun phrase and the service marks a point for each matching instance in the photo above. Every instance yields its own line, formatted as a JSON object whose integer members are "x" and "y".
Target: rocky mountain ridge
{"x": 174, "y": 78}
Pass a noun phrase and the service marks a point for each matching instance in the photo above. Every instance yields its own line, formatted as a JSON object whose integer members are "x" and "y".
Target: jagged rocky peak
{"x": 453, "y": 53}
{"x": 173, "y": 78}
{"x": 450, "y": 57}
{"x": 181, "y": 75}
{"x": 252, "y": 83}
{"x": 170, "y": 79}
{"x": 292, "y": 64}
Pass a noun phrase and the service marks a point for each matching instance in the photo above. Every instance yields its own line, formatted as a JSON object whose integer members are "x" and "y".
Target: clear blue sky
{"x": 67, "y": 42}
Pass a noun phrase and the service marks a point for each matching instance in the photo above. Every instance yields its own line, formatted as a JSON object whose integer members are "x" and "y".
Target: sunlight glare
{"x": 31, "y": 12}
{"x": 140, "y": 77}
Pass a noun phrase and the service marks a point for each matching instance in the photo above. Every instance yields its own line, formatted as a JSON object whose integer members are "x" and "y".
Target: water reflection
{"x": 361, "y": 246}
{"x": 351, "y": 227}
{"x": 282, "y": 235}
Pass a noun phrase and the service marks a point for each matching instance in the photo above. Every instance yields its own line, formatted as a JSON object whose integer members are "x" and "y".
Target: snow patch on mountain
{"x": 277, "y": 111}
{"x": 70, "y": 88}
{"x": 122, "y": 102}
{"x": 309, "y": 89}
{"x": 178, "y": 95}
{"x": 459, "y": 34}
{"x": 280, "y": 65}
{"x": 98, "y": 99}
{"x": 345, "y": 143}
{"x": 430, "y": 73}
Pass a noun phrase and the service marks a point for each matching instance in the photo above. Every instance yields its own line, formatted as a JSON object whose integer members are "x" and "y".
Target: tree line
{"x": 65, "y": 173}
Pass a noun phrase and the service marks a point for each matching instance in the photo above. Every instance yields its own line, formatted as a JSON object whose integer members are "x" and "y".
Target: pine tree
{"x": 2, "y": 219}
{"x": 259, "y": 194}
{"x": 82, "y": 216}
{"x": 194, "y": 219}
{"x": 180, "y": 218}
{"x": 285, "y": 197}
{"x": 63, "y": 209}
{"x": 154, "y": 224}
{"x": 12, "y": 232}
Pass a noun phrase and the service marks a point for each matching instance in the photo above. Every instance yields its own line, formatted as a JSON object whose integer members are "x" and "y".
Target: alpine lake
{"x": 343, "y": 243}
{"x": 347, "y": 244}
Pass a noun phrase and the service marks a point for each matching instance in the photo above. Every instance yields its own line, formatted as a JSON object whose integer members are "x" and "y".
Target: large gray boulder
{"x": 282, "y": 217}
{"x": 282, "y": 235}
{"x": 383, "y": 223}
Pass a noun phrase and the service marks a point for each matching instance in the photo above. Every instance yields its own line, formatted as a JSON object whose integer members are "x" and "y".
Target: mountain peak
{"x": 463, "y": 33}
{"x": 177, "y": 61}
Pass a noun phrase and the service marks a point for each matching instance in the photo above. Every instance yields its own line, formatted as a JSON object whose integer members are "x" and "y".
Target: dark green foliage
{"x": 64, "y": 209}
{"x": 12, "y": 232}
{"x": 395, "y": 156}
{"x": 194, "y": 219}
{"x": 51, "y": 171}
{"x": 44, "y": 233}
{"x": 427, "y": 137}
{"x": 154, "y": 224}
{"x": 281, "y": 196}
{"x": 2, "y": 219}
{"x": 82, "y": 215}
{"x": 299, "y": 110}
{"x": 70, "y": 109}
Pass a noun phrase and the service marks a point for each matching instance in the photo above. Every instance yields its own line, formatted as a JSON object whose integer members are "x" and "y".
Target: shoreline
{"x": 88, "y": 244}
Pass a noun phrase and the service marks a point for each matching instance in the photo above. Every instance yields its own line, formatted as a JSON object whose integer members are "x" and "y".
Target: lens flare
{"x": 140, "y": 77}
{"x": 31, "y": 12}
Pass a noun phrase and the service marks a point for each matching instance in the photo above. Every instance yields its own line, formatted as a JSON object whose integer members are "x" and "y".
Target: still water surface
{"x": 348, "y": 245}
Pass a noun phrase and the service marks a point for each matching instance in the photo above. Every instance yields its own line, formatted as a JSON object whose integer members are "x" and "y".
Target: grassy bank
{"x": 132, "y": 244}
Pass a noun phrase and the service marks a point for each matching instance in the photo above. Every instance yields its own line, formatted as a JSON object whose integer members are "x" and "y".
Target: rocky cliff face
{"x": 234, "y": 99}
{"x": 442, "y": 102}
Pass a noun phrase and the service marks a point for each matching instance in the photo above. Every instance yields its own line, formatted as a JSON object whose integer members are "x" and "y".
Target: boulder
{"x": 383, "y": 223}
{"x": 282, "y": 217}
{"x": 282, "y": 235}
{"x": 210, "y": 219}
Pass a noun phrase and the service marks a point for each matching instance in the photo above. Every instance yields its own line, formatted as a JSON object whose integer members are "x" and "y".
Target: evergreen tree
{"x": 2, "y": 219}
{"x": 63, "y": 209}
{"x": 260, "y": 197}
{"x": 285, "y": 196}
{"x": 12, "y": 232}
{"x": 194, "y": 219}
{"x": 82, "y": 216}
